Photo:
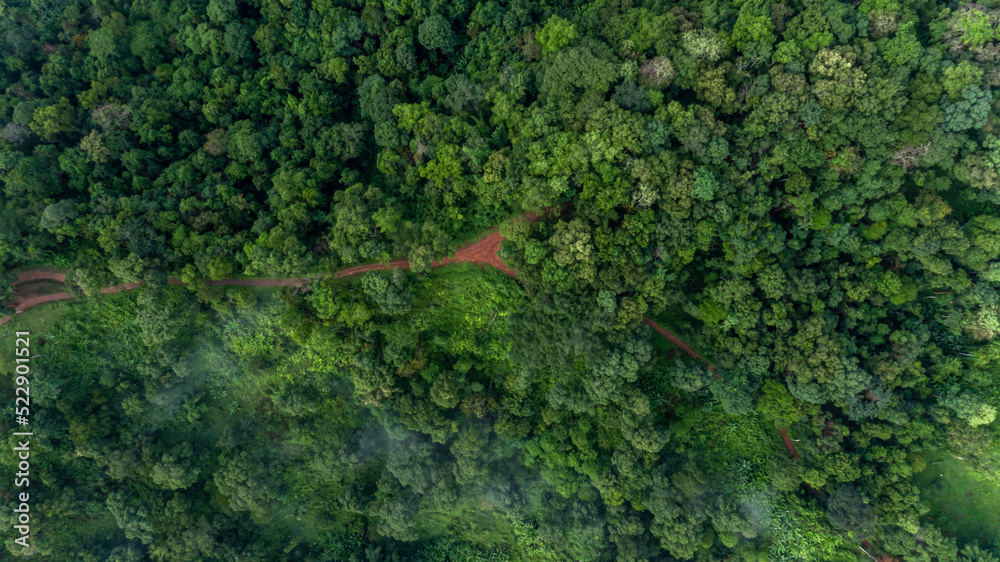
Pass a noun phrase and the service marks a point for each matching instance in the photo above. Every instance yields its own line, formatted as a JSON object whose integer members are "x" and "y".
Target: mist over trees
{"x": 807, "y": 192}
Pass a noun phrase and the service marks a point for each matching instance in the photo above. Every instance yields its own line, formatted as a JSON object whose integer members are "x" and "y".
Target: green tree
{"x": 435, "y": 33}
{"x": 849, "y": 513}
{"x": 556, "y": 34}
{"x": 53, "y": 119}
{"x": 393, "y": 295}
{"x": 969, "y": 408}
{"x": 246, "y": 483}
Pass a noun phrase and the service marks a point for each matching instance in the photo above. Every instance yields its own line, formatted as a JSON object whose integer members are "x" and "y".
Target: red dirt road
{"x": 789, "y": 445}
{"x": 483, "y": 252}
{"x": 24, "y": 303}
{"x": 40, "y": 274}
{"x": 359, "y": 269}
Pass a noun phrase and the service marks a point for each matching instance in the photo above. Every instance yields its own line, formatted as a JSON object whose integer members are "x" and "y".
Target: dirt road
{"x": 483, "y": 252}
{"x": 40, "y": 274}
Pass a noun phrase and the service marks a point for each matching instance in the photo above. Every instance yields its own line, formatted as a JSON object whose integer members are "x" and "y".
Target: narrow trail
{"x": 687, "y": 349}
{"x": 481, "y": 252}
{"x": 678, "y": 342}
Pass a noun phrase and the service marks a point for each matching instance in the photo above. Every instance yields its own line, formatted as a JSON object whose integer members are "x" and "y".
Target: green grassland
{"x": 39, "y": 322}
{"x": 960, "y": 503}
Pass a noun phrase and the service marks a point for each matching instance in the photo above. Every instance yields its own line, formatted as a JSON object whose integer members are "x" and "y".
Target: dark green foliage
{"x": 850, "y": 514}
{"x": 969, "y": 112}
{"x": 392, "y": 295}
{"x": 435, "y": 33}
{"x": 805, "y": 191}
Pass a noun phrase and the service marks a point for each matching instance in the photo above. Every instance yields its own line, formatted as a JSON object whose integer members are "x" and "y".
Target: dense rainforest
{"x": 806, "y": 191}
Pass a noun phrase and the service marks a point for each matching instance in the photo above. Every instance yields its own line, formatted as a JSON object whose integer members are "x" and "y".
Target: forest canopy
{"x": 806, "y": 192}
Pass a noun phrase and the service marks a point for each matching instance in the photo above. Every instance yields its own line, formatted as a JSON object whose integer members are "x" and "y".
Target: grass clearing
{"x": 467, "y": 306}
{"x": 38, "y": 321}
{"x": 959, "y": 503}
{"x": 740, "y": 444}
